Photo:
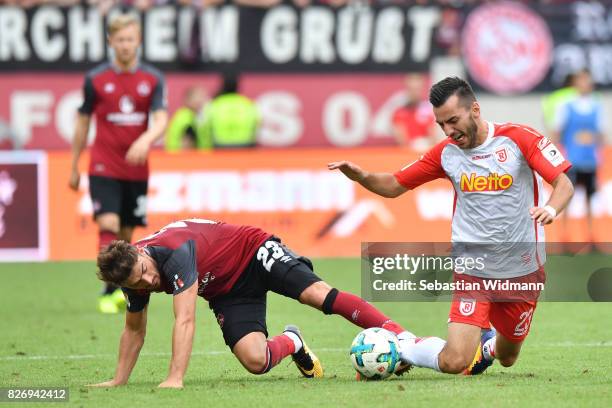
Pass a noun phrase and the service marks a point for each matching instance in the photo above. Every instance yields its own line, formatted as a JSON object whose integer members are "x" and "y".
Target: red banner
{"x": 23, "y": 206}
{"x": 296, "y": 110}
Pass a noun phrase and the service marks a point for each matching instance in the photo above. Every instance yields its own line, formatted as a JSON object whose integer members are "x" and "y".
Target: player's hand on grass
{"x": 171, "y": 384}
{"x": 73, "y": 182}
{"x": 541, "y": 215}
{"x": 350, "y": 170}
{"x": 138, "y": 151}
{"x": 105, "y": 384}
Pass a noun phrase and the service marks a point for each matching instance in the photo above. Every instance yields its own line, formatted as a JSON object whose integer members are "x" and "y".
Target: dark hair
{"x": 568, "y": 80}
{"x": 116, "y": 261}
{"x": 449, "y": 86}
{"x": 229, "y": 85}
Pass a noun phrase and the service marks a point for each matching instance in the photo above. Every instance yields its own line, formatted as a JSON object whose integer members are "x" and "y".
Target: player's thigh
{"x": 239, "y": 317}
{"x": 106, "y": 197}
{"x": 283, "y": 271}
{"x": 133, "y": 211}
{"x": 467, "y": 317}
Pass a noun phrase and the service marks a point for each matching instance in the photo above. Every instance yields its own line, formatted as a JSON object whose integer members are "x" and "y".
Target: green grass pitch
{"x": 52, "y": 336}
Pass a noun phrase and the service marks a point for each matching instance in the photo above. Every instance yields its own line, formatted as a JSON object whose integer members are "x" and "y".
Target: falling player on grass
{"x": 498, "y": 199}
{"x": 233, "y": 267}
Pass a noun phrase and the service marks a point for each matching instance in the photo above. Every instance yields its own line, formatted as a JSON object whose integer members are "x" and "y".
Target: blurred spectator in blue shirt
{"x": 580, "y": 129}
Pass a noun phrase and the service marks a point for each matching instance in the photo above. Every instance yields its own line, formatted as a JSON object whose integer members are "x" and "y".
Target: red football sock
{"x": 279, "y": 347}
{"x": 363, "y": 314}
{"x": 105, "y": 238}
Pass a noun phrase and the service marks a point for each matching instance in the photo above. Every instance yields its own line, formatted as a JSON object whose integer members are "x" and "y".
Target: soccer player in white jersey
{"x": 496, "y": 172}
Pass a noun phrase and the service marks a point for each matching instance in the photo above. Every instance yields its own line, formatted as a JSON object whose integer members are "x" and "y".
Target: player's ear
{"x": 475, "y": 109}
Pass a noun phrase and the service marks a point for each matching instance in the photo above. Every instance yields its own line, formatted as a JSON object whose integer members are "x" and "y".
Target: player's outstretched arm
{"x": 130, "y": 344}
{"x": 139, "y": 150}
{"x": 562, "y": 193}
{"x": 182, "y": 336}
{"x": 383, "y": 184}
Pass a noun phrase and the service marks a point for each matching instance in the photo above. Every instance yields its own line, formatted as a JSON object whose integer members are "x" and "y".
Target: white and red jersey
{"x": 495, "y": 185}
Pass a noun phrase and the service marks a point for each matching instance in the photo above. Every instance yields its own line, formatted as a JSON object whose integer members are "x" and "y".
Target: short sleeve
{"x": 136, "y": 300}
{"x": 180, "y": 270}
{"x": 423, "y": 170}
{"x": 89, "y": 97}
{"x": 160, "y": 95}
{"x": 541, "y": 154}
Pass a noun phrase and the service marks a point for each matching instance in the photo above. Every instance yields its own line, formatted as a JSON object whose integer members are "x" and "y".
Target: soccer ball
{"x": 375, "y": 353}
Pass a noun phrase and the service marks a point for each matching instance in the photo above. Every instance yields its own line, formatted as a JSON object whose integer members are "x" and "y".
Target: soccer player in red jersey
{"x": 496, "y": 171}
{"x": 120, "y": 95}
{"x": 233, "y": 267}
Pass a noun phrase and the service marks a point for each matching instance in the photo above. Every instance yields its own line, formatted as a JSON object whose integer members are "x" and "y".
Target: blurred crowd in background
{"x": 145, "y": 4}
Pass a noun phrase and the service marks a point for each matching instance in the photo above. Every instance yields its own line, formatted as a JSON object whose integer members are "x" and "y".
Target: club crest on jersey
{"x": 492, "y": 182}
{"x": 501, "y": 155}
{"x": 143, "y": 88}
{"x": 544, "y": 141}
{"x": 109, "y": 87}
{"x": 467, "y": 307}
{"x": 178, "y": 282}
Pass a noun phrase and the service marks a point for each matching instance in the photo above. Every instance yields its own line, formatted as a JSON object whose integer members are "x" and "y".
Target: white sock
{"x": 296, "y": 340}
{"x": 405, "y": 335}
{"x": 488, "y": 349}
{"x": 423, "y": 353}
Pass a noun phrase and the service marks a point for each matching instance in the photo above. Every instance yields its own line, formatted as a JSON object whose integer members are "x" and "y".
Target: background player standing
{"x": 475, "y": 157}
{"x": 120, "y": 94}
{"x": 579, "y": 124}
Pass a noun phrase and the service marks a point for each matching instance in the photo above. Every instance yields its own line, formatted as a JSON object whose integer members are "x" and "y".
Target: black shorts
{"x": 128, "y": 199}
{"x": 273, "y": 267}
{"x": 587, "y": 179}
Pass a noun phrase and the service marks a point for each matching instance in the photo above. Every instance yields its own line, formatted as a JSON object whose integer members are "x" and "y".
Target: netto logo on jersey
{"x": 492, "y": 182}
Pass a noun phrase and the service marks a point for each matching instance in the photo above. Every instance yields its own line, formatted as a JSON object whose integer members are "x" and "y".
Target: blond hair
{"x": 121, "y": 21}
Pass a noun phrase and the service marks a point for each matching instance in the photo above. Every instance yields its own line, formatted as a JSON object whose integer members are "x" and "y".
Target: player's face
{"x": 459, "y": 121}
{"x": 583, "y": 83}
{"x": 144, "y": 274}
{"x": 125, "y": 43}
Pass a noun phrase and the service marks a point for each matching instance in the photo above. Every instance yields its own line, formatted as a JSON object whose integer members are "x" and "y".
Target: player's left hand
{"x": 171, "y": 384}
{"x": 138, "y": 152}
{"x": 541, "y": 215}
{"x": 105, "y": 384}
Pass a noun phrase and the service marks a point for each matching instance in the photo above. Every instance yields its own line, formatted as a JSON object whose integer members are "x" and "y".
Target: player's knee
{"x": 315, "y": 294}
{"x": 108, "y": 222}
{"x": 255, "y": 362}
{"x": 453, "y": 362}
{"x": 508, "y": 361}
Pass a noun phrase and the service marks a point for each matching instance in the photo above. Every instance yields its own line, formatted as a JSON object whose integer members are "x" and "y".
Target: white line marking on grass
{"x": 101, "y": 356}
{"x": 566, "y": 344}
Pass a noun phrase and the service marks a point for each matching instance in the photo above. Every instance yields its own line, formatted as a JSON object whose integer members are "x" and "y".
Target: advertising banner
{"x": 508, "y": 47}
{"x": 292, "y": 194}
{"x": 296, "y": 110}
